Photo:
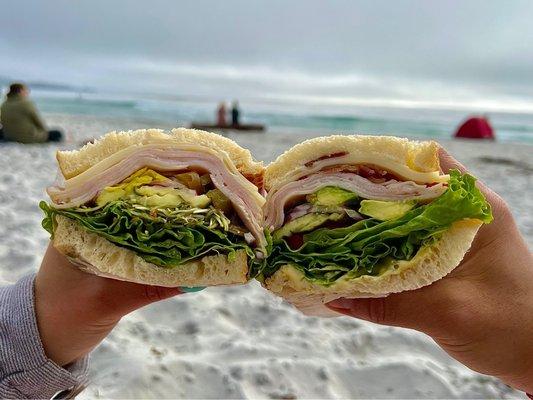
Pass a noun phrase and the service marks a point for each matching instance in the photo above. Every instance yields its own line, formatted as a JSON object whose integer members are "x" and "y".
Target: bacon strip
{"x": 391, "y": 190}
{"x": 244, "y": 196}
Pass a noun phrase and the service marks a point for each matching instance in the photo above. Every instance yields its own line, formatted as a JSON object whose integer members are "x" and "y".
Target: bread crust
{"x": 418, "y": 156}
{"x": 94, "y": 254}
{"x": 430, "y": 264}
{"x": 74, "y": 162}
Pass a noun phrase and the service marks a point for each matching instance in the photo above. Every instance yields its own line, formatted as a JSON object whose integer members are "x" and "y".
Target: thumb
{"x": 378, "y": 310}
{"x": 413, "y": 309}
{"x": 143, "y": 295}
{"x": 151, "y": 294}
{"x": 121, "y": 298}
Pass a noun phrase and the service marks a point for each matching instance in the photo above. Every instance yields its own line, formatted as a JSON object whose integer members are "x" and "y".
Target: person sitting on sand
{"x": 221, "y": 114}
{"x": 20, "y": 120}
{"x": 481, "y": 314}
{"x": 235, "y": 113}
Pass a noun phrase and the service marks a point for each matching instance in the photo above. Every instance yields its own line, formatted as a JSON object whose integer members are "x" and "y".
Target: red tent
{"x": 475, "y": 128}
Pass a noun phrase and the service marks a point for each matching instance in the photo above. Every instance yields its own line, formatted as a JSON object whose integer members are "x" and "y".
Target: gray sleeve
{"x": 25, "y": 371}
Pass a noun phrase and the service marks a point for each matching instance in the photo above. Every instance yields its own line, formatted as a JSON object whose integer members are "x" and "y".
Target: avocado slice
{"x": 135, "y": 189}
{"x": 331, "y": 196}
{"x": 168, "y": 197}
{"x": 386, "y": 210}
{"x": 304, "y": 223}
{"x": 110, "y": 194}
{"x": 220, "y": 201}
{"x": 127, "y": 187}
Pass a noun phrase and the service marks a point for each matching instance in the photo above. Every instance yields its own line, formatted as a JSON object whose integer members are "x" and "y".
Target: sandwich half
{"x": 364, "y": 216}
{"x": 176, "y": 209}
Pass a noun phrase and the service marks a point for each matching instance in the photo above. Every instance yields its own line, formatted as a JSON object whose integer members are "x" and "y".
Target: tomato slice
{"x": 295, "y": 241}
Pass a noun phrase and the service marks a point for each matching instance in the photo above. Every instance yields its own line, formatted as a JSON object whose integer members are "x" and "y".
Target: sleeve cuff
{"x": 27, "y": 372}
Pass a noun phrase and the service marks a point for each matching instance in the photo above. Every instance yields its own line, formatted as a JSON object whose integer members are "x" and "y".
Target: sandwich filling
{"x": 170, "y": 203}
{"x": 331, "y": 220}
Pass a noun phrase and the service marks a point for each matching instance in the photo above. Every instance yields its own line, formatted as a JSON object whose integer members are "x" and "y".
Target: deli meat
{"x": 243, "y": 195}
{"x": 391, "y": 190}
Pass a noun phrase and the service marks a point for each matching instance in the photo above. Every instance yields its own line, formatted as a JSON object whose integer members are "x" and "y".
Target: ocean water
{"x": 289, "y": 117}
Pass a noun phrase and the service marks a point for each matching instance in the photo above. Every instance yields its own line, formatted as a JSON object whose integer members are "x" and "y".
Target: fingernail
{"x": 188, "y": 289}
{"x": 341, "y": 304}
{"x": 174, "y": 291}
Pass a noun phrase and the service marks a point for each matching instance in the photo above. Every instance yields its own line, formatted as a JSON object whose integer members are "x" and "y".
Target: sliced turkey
{"x": 244, "y": 196}
{"x": 391, "y": 190}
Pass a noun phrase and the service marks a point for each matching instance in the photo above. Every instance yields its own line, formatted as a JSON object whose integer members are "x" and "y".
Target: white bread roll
{"x": 74, "y": 162}
{"x": 412, "y": 156}
{"x": 94, "y": 254}
{"x": 430, "y": 264}
{"x": 97, "y": 255}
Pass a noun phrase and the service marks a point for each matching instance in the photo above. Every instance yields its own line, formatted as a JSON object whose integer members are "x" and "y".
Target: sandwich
{"x": 344, "y": 216}
{"x": 364, "y": 216}
{"x": 176, "y": 209}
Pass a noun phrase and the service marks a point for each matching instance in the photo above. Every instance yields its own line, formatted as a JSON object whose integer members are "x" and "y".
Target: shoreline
{"x": 405, "y": 126}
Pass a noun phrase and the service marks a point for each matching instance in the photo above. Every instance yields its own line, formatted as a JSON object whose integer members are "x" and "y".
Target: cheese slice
{"x": 396, "y": 168}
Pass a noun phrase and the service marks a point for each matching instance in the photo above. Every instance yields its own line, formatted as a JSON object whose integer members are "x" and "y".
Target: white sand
{"x": 241, "y": 341}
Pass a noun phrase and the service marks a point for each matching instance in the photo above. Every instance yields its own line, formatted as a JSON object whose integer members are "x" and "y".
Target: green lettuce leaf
{"x": 165, "y": 237}
{"x": 359, "y": 249}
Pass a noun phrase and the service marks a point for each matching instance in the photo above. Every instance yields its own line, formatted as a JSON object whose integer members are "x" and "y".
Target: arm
{"x": 25, "y": 371}
{"x": 49, "y": 324}
{"x": 481, "y": 313}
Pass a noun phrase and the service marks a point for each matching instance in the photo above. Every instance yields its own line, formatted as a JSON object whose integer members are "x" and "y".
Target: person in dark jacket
{"x": 21, "y": 121}
{"x": 235, "y": 113}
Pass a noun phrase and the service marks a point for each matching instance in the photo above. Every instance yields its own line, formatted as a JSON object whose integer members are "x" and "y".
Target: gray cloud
{"x": 406, "y": 49}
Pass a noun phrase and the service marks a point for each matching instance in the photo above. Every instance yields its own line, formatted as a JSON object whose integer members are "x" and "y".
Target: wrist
{"x": 65, "y": 337}
{"x": 486, "y": 309}
{"x": 68, "y": 325}
{"x": 522, "y": 377}
{"x": 76, "y": 310}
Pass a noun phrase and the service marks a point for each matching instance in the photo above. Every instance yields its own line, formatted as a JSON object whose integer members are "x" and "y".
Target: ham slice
{"x": 243, "y": 195}
{"x": 391, "y": 190}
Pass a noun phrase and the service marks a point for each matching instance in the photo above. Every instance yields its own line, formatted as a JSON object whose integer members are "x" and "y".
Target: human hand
{"x": 76, "y": 310}
{"x": 482, "y": 312}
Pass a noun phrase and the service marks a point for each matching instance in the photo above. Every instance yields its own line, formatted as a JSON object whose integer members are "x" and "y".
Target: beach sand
{"x": 237, "y": 342}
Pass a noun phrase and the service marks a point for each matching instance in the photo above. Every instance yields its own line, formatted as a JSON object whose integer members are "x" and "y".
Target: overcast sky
{"x": 442, "y": 52}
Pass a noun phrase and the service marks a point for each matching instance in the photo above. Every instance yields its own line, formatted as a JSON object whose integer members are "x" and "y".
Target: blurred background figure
{"x": 221, "y": 114}
{"x": 475, "y": 128}
{"x": 235, "y": 113}
{"x": 21, "y": 121}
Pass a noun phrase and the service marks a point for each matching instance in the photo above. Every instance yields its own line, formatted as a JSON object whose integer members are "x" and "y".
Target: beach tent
{"x": 475, "y": 128}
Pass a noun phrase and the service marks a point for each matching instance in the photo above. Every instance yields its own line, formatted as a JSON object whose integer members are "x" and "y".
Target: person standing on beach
{"x": 21, "y": 121}
{"x": 221, "y": 114}
{"x": 235, "y": 113}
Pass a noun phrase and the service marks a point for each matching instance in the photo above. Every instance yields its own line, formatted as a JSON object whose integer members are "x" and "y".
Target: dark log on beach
{"x": 240, "y": 127}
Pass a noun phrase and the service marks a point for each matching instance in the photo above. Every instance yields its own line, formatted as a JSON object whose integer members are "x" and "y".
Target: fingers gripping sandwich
{"x": 363, "y": 216}
{"x": 178, "y": 209}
